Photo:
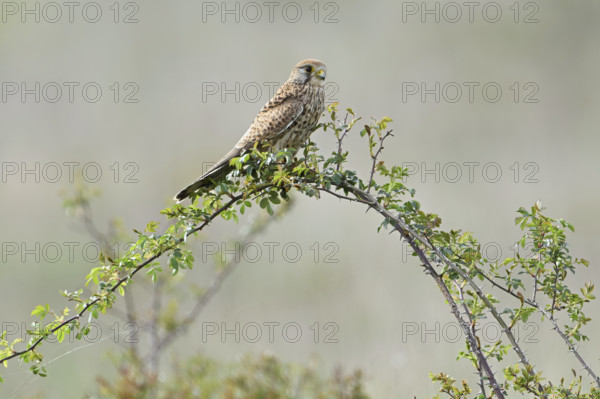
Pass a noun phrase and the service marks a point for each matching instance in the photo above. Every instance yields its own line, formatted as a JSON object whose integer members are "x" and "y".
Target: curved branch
{"x": 410, "y": 236}
{"x": 129, "y": 276}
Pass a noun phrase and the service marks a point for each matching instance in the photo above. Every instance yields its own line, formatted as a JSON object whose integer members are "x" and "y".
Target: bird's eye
{"x": 308, "y": 68}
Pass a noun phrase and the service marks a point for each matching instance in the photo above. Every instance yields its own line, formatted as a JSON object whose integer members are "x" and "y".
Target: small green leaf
{"x": 174, "y": 265}
{"x": 263, "y": 203}
{"x": 151, "y": 227}
{"x": 41, "y": 311}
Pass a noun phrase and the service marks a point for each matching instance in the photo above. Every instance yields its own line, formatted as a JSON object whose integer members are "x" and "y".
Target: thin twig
{"x": 535, "y": 288}
{"x": 554, "y": 290}
{"x": 343, "y": 196}
{"x": 340, "y": 139}
{"x": 373, "y": 166}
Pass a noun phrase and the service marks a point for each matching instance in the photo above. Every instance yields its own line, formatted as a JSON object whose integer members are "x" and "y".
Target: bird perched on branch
{"x": 286, "y": 121}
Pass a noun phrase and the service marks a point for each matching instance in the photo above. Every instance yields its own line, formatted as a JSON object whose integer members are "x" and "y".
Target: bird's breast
{"x": 313, "y": 100}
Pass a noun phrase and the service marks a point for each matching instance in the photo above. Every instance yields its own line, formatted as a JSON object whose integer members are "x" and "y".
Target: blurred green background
{"x": 156, "y": 125}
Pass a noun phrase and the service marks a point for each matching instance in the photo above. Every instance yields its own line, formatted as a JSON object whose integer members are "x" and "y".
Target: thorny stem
{"x": 384, "y": 212}
{"x": 472, "y": 324}
{"x": 410, "y": 236}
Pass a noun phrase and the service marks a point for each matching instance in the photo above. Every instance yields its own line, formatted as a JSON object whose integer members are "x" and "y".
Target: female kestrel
{"x": 286, "y": 121}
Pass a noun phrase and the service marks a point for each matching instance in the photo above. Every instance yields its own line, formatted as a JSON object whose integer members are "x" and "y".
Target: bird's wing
{"x": 269, "y": 123}
{"x": 275, "y": 117}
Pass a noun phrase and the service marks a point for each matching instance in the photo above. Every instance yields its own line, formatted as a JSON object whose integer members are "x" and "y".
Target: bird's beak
{"x": 320, "y": 74}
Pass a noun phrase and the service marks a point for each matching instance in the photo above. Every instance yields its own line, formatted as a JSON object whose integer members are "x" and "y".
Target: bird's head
{"x": 311, "y": 72}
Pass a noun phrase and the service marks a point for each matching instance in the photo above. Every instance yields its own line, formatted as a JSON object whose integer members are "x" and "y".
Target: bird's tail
{"x": 207, "y": 180}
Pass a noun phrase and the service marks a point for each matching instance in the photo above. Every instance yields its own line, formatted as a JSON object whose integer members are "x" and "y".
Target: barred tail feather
{"x": 208, "y": 179}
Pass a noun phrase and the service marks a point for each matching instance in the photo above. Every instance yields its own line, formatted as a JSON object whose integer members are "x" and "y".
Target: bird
{"x": 286, "y": 121}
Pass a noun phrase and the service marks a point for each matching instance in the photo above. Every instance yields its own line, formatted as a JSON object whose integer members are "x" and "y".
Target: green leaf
{"x": 41, "y": 311}
{"x": 174, "y": 265}
{"x": 151, "y": 227}
{"x": 263, "y": 203}
{"x": 60, "y": 334}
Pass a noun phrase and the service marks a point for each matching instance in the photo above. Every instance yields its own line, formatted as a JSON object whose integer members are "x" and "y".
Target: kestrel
{"x": 286, "y": 121}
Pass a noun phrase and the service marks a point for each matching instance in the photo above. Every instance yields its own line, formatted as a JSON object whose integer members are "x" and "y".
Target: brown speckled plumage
{"x": 286, "y": 121}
